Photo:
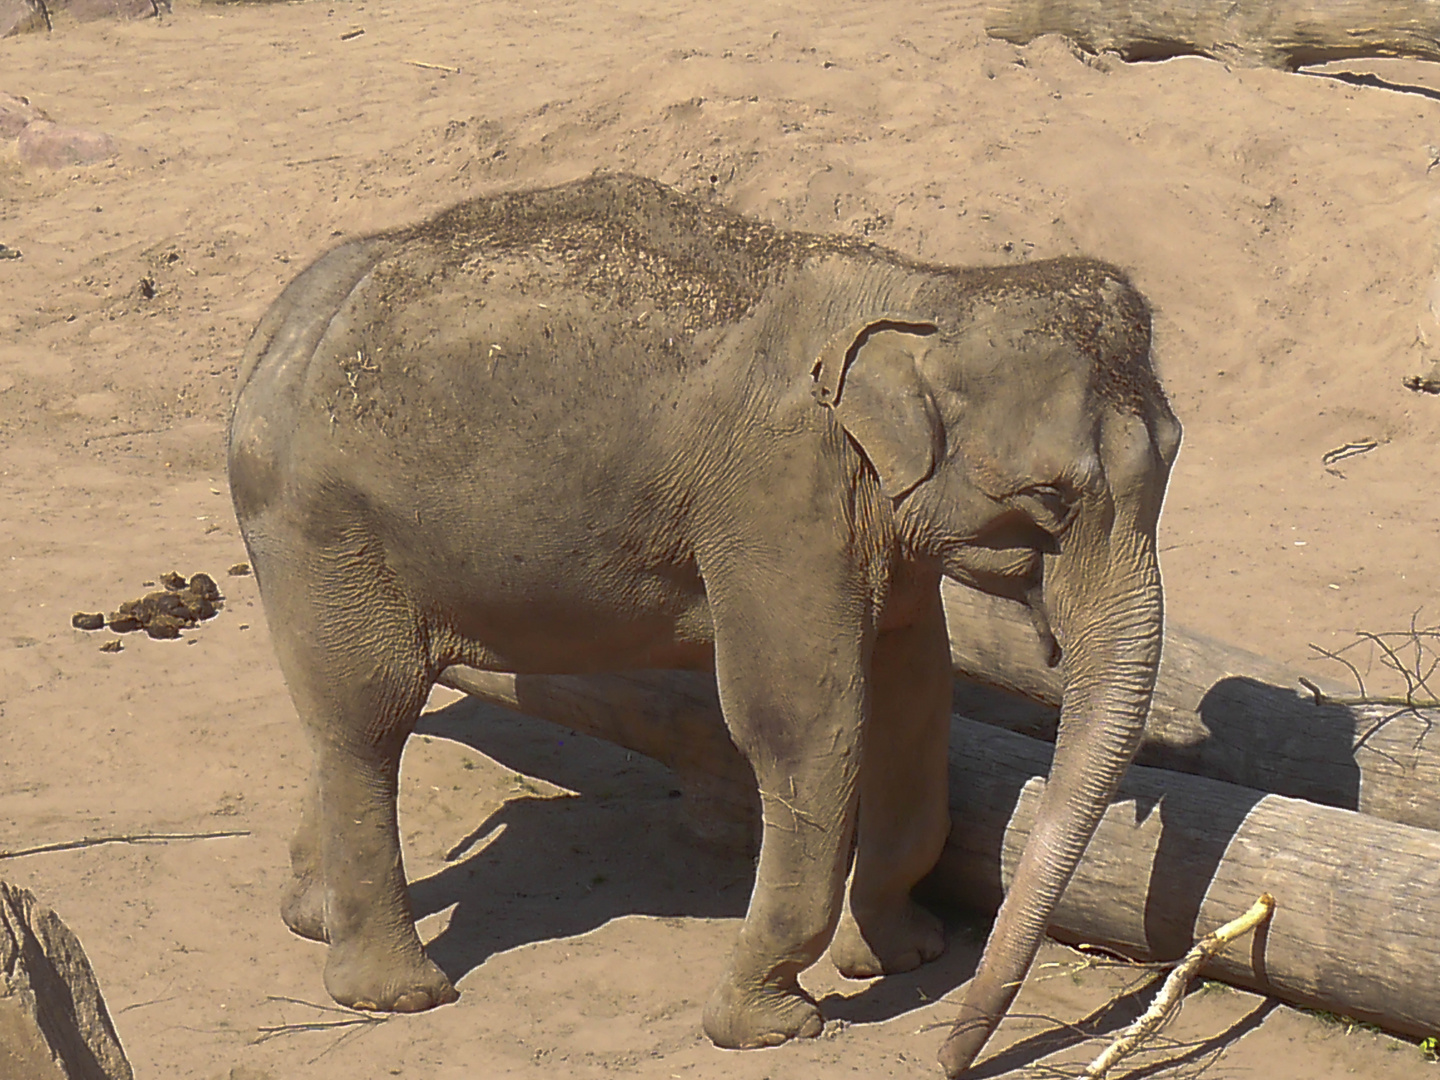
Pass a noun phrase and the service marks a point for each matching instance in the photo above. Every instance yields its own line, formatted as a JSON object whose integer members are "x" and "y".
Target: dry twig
{"x": 352, "y": 1022}
{"x": 434, "y": 67}
{"x": 1413, "y": 654}
{"x": 1168, "y": 999}
{"x": 125, "y": 838}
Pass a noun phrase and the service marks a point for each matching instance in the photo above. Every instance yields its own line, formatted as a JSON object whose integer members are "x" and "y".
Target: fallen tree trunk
{"x": 1356, "y": 898}
{"x": 670, "y": 716}
{"x": 1173, "y": 859}
{"x": 1286, "y": 34}
{"x": 1218, "y": 711}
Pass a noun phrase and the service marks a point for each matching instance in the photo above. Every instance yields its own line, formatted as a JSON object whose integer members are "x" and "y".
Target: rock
{"x": 22, "y": 17}
{"x": 83, "y": 620}
{"x": 53, "y": 146}
{"x": 53, "y": 1020}
{"x": 87, "y": 10}
{"x": 15, "y": 112}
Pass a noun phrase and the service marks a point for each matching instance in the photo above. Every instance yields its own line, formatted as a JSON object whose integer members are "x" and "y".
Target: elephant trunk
{"x": 1107, "y": 600}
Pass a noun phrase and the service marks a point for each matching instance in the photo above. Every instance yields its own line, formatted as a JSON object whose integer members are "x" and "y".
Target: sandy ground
{"x": 1285, "y": 227}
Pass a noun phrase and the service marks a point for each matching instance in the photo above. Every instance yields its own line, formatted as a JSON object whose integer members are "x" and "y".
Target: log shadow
{"x": 1215, "y": 1045}
{"x": 1256, "y": 725}
{"x": 1108, "y": 1019}
{"x": 1372, "y": 80}
{"x": 989, "y": 704}
{"x": 565, "y": 866}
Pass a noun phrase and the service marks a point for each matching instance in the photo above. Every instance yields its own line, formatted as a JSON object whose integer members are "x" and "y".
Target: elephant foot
{"x": 384, "y": 983}
{"x": 737, "y": 1019}
{"x": 303, "y": 907}
{"x": 902, "y": 939}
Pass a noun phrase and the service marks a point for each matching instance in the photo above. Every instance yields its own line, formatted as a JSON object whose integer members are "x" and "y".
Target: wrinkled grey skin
{"x": 602, "y": 426}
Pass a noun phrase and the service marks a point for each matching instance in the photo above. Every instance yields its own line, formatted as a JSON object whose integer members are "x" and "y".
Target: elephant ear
{"x": 868, "y": 376}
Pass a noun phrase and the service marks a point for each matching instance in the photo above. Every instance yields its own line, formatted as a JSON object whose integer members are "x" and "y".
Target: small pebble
{"x": 82, "y": 620}
{"x": 113, "y": 646}
{"x": 240, "y": 569}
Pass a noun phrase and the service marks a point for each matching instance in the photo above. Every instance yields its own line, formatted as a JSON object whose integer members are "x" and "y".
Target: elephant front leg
{"x": 904, "y": 803}
{"x": 800, "y": 730}
{"x": 799, "y": 883}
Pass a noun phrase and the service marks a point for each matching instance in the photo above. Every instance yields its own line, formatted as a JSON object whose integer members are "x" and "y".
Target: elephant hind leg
{"x": 359, "y": 683}
{"x": 302, "y": 906}
{"x": 904, "y": 803}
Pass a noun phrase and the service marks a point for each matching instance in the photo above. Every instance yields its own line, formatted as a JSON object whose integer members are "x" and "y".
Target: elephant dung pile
{"x": 181, "y": 605}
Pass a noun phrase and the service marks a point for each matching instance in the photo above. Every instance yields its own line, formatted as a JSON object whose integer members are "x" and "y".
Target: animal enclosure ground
{"x": 1285, "y": 227}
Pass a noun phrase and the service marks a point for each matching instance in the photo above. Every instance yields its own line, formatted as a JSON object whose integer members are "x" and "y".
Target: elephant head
{"x": 1026, "y": 445}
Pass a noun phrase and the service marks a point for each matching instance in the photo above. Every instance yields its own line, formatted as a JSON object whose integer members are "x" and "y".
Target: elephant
{"x": 605, "y": 426}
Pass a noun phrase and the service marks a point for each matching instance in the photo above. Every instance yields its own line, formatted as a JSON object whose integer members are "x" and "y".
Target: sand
{"x": 1285, "y": 227}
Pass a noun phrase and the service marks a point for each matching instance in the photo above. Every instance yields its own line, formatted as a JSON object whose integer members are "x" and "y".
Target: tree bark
{"x": 23, "y": 17}
{"x": 1286, "y": 34}
{"x": 1175, "y": 857}
{"x": 1218, "y": 711}
{"x": 53, "y": 1020}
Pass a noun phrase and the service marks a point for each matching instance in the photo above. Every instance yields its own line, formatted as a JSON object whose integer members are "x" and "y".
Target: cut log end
{"x": 53, "y": 1019}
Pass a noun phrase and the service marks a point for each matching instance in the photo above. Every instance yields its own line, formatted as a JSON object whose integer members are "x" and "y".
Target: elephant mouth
{"x": 1010, "y": 573}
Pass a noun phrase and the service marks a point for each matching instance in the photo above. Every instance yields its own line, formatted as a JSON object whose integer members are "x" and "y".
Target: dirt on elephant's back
{"x": 625, "y": 240}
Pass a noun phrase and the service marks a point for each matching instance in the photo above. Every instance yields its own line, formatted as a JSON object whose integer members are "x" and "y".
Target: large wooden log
{"x": 1177, "y": 856}
{"x": 1285, "y": 34}
{"x": 671, "y": 716}
{"x": 1357, "y": 898}
{"x": 1218, "y": 711}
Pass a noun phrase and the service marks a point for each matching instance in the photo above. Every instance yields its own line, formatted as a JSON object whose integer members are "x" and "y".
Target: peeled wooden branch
{"x": 1286, "y": 34}
{"x": 1357, "y": 896}
{"x": 1173, "y": 988}
{"x": 1218, "y": 711}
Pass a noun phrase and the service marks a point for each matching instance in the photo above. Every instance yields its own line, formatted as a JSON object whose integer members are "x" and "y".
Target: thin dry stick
{"x": 127, "y": 838}
{"x": 1419, "y": 694}
{"x": 434, "y": 67}
{"x": 1168, "y": 999}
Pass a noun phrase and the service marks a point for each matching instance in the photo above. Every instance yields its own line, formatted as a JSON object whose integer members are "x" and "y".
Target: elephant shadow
{"x": 562, "y": 866}
{"x": 565, "y": 866}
